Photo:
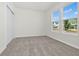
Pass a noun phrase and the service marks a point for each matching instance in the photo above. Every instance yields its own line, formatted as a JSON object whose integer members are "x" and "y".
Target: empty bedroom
{"x": 39, "y": 29}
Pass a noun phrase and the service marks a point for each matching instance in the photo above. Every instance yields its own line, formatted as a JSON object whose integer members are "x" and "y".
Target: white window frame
{"x": 62, "y": 27}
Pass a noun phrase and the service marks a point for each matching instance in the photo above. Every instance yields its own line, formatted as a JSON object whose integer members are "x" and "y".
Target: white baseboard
{"x": 2, "y": 49}
{"x": 29, "y": 36}
{"x": 72, "y": 45}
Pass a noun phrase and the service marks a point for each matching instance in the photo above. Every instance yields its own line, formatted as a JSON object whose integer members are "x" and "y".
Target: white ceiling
{"x": 34, "y": 5}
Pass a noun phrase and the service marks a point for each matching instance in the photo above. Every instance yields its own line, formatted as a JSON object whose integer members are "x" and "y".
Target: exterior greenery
{"x": 70, "y": 25}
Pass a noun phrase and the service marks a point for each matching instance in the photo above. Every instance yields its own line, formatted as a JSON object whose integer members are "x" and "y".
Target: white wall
{"x": 68, "y": 38}
{"x": 29, "y": 23}
{"x": 2, "y": 26}
{"x": 6, "y": 26}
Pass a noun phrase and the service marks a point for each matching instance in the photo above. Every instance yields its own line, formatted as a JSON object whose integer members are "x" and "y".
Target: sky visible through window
{"x": 56, "y": 16}
{"x": 70, "y": 11}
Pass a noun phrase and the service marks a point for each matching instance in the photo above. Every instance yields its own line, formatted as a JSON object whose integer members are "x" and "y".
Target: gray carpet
{"x": 38, "y": 46}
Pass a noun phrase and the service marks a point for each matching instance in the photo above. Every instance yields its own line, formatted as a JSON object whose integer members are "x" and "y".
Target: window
{"x": 55, "y": 18}
{"x": 70, "y": 18}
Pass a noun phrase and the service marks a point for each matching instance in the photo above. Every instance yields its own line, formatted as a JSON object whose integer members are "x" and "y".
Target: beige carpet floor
{"x": 38, "y": 46}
